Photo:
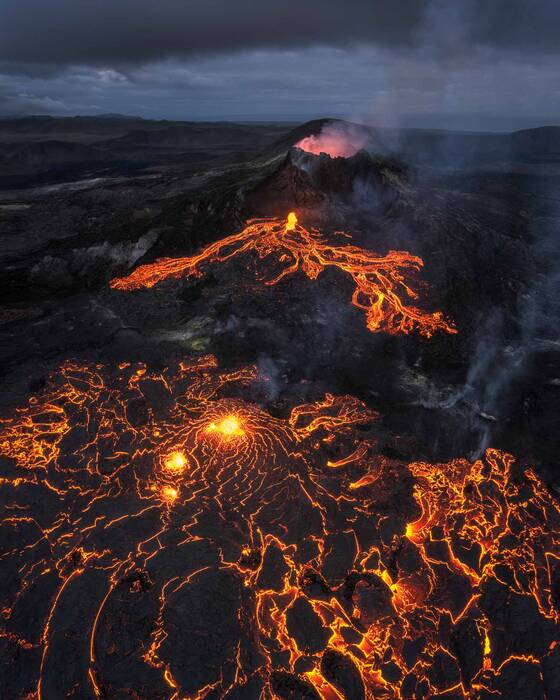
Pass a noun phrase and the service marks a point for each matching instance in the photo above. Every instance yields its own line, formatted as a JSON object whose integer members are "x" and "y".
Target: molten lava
{"x": 176, "y": 462}
{"x": 291, "y": 222}
{"x": 382, "y": 288}
{"x": 169, "y": 493}
{"x": 227, "y": 427}
{"x": 214, "y": 549}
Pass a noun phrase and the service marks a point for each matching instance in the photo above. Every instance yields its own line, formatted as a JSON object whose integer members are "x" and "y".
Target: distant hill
{"x": 116, "y": 115}
{"x": 543, "y": 142}
{"x": 111, "y": 126}
{"x": 39, "y": 156}
{"x": 76, "y": 129}
{"x": 189, "y": 136}
{"x": 39, "y": 144}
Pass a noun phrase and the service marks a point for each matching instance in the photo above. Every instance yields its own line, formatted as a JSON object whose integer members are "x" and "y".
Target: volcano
{"x": 259, "y": 445}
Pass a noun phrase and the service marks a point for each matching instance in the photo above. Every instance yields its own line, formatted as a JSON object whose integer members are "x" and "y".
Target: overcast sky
{"x": 475, "y": 64}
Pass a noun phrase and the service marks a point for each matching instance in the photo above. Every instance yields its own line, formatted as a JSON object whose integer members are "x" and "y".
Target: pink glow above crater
{"x": 335, "y": 141}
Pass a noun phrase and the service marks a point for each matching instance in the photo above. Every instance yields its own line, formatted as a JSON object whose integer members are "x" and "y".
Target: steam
{"x": 500, "y": 361}
{"x": 270, "y": 377}
{"x": 336, "y": 140}
{"x": 91, "y": 263}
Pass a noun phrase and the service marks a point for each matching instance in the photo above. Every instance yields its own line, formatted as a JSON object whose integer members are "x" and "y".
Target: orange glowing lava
{"x": 291, "y": 222}
{"x": 382, "y": 286}
{"x": 169, "y": 493}
{"x": 176, "y": 462}
{"x": 227, "y": 427}
{"x": 298, "y": 562}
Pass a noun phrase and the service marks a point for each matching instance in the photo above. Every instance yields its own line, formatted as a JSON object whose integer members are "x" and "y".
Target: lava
{"x": 227, "y": 427}
{"x": 291, "y": 222}
{"x": 215, "y": 549}
{"x": 381, "y": 283}
{"x": 176, "y": 462}
{"x": 169, "y": 493}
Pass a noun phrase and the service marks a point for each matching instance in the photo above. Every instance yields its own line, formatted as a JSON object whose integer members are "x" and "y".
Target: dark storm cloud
{"x": 98, "y": 31}
{"x": 453, "y": 63}
{"x": 524, "y": 25}
{"x": 139, "y": 31}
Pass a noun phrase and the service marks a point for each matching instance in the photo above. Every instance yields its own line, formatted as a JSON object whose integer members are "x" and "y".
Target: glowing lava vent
{"x": 228, "y": 427}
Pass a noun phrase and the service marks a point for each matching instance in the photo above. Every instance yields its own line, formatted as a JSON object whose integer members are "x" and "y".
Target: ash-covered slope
{"x": 310, "y": 183}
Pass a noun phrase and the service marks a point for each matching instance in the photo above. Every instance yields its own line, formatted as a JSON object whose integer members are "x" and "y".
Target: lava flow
{"x": 381, "y": 285}
{"x": 165, "y": 536}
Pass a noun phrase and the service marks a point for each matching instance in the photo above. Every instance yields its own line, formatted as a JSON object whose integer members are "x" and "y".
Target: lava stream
{"x": 381, "y": 283}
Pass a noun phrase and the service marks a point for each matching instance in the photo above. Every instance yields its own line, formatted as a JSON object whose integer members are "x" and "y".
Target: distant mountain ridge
{"x": 39, "y": 144}
{"x": 544, "y": 140}
{"x": 188, "y": 137}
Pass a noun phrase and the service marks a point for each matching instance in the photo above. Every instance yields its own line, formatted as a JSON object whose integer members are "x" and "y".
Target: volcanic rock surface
{"x": 232, "y": 485}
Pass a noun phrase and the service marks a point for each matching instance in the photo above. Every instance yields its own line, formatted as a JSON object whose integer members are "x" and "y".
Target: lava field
{"x": 182, "y": 533}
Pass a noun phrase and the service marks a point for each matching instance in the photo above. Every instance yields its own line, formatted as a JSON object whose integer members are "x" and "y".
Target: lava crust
{"x": 164, "y": 536}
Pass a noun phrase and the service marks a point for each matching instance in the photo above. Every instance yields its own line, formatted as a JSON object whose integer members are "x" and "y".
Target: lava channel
{"x": 382, "y": 287}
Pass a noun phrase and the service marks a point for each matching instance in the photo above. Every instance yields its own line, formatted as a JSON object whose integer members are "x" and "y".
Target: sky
{"x": 457, "y": 64}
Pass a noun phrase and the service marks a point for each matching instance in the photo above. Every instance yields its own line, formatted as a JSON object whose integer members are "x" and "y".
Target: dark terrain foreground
{"x": 238, "y": 480}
